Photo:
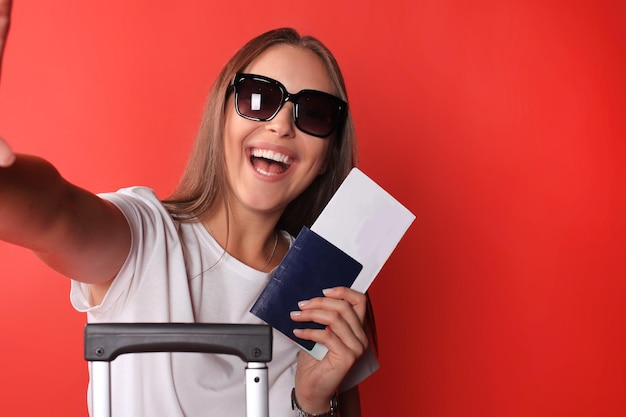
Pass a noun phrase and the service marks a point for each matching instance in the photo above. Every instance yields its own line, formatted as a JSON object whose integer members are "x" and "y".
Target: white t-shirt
{"x": 177, "y": 272}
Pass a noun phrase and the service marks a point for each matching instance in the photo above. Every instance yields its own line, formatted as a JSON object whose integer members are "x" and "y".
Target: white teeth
{"x": 269, "y": 174}
{"x": 271, "y": 155}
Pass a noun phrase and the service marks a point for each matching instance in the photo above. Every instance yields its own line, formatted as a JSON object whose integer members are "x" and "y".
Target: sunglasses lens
{"x": 317, "y": 113}
{"x": 257, "y": 99}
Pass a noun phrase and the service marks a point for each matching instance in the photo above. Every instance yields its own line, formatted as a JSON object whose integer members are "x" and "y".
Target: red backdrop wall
{"x": 499, "y": 124}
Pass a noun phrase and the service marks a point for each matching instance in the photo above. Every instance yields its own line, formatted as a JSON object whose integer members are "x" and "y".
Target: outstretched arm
{"x": 72, "y": 230}
{"x": 77, "y": 233}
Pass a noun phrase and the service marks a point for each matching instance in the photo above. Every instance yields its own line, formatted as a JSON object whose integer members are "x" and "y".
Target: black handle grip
{"x": 106, "y": 341}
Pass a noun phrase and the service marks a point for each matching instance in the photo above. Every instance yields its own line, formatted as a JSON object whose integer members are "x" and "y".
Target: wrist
{"x": 332, "y": 410}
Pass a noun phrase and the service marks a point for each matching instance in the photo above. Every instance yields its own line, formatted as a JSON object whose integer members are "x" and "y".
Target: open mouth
{"x": 268, "y": 162}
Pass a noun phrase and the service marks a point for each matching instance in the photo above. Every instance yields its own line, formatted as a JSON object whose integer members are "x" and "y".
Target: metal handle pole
{"x": 257, "y": 385}
{"x": 101, "y": 389}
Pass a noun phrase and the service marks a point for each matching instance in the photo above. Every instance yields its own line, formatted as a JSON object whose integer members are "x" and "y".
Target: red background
{"x": 500, "y": 124}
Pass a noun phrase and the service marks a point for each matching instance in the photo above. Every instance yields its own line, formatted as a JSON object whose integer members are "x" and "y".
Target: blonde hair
{"x": 203, "y": 184}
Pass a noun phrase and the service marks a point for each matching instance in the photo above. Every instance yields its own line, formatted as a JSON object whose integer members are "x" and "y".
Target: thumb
{"x": 7, "y": 157}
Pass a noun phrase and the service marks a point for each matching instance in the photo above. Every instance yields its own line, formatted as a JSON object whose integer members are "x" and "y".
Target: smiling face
{"x": 270, "y": 163}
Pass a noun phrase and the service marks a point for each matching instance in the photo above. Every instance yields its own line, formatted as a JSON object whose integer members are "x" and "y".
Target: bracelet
{"x": 334, "y": 406}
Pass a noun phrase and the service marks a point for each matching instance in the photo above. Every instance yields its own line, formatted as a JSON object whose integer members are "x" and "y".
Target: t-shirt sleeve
{"x": 150, "y": 224}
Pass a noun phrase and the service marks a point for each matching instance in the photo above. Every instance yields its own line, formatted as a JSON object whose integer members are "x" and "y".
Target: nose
{"x": 282, "y": 124}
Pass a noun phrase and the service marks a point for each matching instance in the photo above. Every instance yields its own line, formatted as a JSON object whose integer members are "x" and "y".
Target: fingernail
{"x": 295, "y": 313}
{"x": 297, "y": 332}
{"x": 303, "y": 303}
{"x": 328, "y": 291}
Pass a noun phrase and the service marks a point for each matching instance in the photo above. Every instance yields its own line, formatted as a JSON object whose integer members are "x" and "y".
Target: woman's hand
{"x": 342, "y": 311}
{"x": 5, "y": 22}
{"x": 7, "y": 157}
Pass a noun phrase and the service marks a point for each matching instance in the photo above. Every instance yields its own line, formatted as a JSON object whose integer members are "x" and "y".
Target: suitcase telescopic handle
{"x": 106, "y": 341}
{"x": 251, "y": 342}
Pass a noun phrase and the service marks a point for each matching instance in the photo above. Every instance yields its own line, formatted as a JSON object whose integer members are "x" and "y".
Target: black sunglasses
{"x": 261, "y": 98}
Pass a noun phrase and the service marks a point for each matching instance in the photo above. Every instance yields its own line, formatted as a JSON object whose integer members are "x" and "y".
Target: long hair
{"x": 203, "y": 184}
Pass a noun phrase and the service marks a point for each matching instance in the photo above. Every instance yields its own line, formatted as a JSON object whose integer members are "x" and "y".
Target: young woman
{"x": 275, "y": 143}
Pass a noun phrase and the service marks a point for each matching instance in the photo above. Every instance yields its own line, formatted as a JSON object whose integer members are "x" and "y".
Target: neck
{"x": 252, "y": 240}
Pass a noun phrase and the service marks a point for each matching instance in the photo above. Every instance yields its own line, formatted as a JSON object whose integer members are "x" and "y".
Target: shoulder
{"x": 137, "y": 194}
{"x": 138, "y": 203}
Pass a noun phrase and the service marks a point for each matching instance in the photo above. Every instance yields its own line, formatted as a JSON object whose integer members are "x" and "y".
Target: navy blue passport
{"x": 311, "y": 265}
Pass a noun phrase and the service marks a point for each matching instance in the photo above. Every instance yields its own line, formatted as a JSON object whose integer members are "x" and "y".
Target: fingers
{"x": 5, "y": 22}
{"x": 5, "y": 17}
{"x": 342, "y": 311}
{"x": 357, "y": 300}
{"x": 7, "y": 157}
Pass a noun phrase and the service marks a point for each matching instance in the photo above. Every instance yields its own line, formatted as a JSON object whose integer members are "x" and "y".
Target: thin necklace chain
{"x": 272, "y": 254}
